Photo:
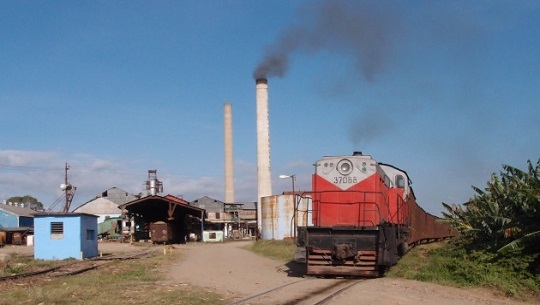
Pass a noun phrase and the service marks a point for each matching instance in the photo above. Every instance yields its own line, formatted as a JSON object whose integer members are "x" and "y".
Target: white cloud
{"x": 39, "y": 174}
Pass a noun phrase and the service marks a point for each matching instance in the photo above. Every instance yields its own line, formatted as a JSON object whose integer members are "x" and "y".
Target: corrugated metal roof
{"x": 99, "y": 205}
{"x": 112, "y": 194}
{"x": 176, "y": 199}
{"x": 55, "y": 214}
{"x": 18, "y": 211}
{"x": 157, "y": 206}
{"x": 248, "y": 205}
{"x": 17, "y": 229}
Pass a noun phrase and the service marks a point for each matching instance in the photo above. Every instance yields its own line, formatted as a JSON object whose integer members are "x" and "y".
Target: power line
{"x": 27, "y": 168}
{"x": 53, "y": 205}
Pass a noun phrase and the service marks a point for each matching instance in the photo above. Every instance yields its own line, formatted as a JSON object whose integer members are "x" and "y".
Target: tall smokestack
{"x": 264, "y": 183}
{"x": 229, "y": 166}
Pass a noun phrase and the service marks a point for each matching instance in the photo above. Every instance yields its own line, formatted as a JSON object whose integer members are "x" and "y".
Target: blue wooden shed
{"x": 61, "y": 236}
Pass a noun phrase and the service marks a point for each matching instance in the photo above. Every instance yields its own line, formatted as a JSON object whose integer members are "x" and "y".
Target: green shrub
{"x": 452, "y": 264}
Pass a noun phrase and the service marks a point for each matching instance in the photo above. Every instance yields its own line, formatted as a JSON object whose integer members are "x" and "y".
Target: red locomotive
{"x": 365, "y": 217}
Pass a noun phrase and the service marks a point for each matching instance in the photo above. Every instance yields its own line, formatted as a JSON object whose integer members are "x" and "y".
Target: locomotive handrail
{"x": 398, "y": 214}
{"x": 297, "y": 204}
{"x": 400, "y": 203}
{"x": 362, "y": 203}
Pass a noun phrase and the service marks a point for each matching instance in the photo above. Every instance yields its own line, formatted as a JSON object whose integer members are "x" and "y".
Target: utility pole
{"x": 66, "y": 206}
{"x": 68, "y": 189}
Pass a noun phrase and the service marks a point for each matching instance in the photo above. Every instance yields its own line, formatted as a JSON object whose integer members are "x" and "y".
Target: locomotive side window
{"x": 400, "y": 181}
{"x": 387, "y": 180}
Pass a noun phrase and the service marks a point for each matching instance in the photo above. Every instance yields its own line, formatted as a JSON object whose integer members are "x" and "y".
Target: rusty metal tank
{"x": 277, "y": 219}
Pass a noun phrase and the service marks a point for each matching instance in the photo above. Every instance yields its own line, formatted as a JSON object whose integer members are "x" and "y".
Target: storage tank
{"x": 278, "y": 216}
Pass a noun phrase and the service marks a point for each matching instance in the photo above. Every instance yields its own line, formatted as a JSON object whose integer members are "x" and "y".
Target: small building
{"x": 67, "y": 235}
{"x": 16, "y": 224}
{"x": 234, "y": 220}
{"x": 14, "y": 216}
{"x": 247, "y": 219}
{"x": 215, "y": 212}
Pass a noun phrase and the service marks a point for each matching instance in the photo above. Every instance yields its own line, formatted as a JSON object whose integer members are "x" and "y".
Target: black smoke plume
{"x": 361, "y": 30}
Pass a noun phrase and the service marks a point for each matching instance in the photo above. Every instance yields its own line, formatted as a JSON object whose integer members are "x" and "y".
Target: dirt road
{"x": 236, "y": 273}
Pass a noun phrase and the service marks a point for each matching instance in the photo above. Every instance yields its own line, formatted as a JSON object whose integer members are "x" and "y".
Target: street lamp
{"x": 295, "y": 211}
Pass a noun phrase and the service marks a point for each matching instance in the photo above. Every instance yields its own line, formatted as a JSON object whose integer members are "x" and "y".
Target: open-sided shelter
{"x": 169, "y": 213}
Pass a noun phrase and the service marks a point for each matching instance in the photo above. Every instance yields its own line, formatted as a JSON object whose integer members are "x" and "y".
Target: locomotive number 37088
{"x": 343, "y": 180}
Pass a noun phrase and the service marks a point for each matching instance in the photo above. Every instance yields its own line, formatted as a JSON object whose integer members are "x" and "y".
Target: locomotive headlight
{"x": 344, "y": 167}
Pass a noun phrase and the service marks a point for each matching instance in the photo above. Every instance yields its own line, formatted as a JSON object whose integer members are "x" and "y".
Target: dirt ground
{"x": 234, "y": 272}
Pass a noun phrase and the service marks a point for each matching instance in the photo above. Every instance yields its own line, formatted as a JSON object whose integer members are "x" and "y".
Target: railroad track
{"x": 75, "y": 267}
{"x": 305, "y": 291}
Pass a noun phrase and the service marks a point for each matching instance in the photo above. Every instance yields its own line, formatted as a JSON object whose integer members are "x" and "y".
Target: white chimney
{"x": 229, "y": 163}
{"x": 264, "y": 183}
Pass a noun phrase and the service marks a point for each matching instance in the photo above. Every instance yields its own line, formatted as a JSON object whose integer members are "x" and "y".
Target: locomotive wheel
{"x": 382, "y": 270}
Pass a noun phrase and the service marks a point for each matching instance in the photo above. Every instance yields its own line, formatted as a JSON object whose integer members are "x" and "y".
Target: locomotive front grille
{"x": 342, "y": 252}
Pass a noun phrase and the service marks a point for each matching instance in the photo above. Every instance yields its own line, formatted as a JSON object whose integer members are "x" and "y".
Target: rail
{"x": 76, "y": 267}
{"x": 303, "y": 291}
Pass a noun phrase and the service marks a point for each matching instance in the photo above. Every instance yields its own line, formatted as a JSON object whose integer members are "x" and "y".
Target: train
{"x": 364, "y": 218}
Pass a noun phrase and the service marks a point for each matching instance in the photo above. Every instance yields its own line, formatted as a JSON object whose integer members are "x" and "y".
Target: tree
{"x": 505, "y": 215}
{"x": 28, "y": 201}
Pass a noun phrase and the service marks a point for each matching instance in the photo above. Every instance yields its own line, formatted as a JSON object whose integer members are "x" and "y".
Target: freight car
{"x": 365, "y": 217}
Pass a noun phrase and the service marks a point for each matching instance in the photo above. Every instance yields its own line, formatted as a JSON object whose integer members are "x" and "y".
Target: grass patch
{"x": 282, "y": 250}
{"x": 16, "y": 264}
{"x": 445, "y": 263}
{"x": 140, "y": 281}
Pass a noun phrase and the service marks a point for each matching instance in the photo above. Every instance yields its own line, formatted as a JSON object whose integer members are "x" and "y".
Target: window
{"x": 90, "y": 235}
{"x": 218, "y": 215}
{"x": 387, "y": 180}
{"x": 57, "y": 230}
{"x": 400, "y": 181}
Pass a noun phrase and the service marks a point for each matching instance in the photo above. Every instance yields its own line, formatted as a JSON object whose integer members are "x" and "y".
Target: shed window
{"x": 400, "y": 181}
{"x": 57, "y": 230}
{"x": 90, "y": 234}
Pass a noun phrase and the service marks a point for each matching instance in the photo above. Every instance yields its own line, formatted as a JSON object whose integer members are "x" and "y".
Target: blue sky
{"x": 446, "y": 90}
